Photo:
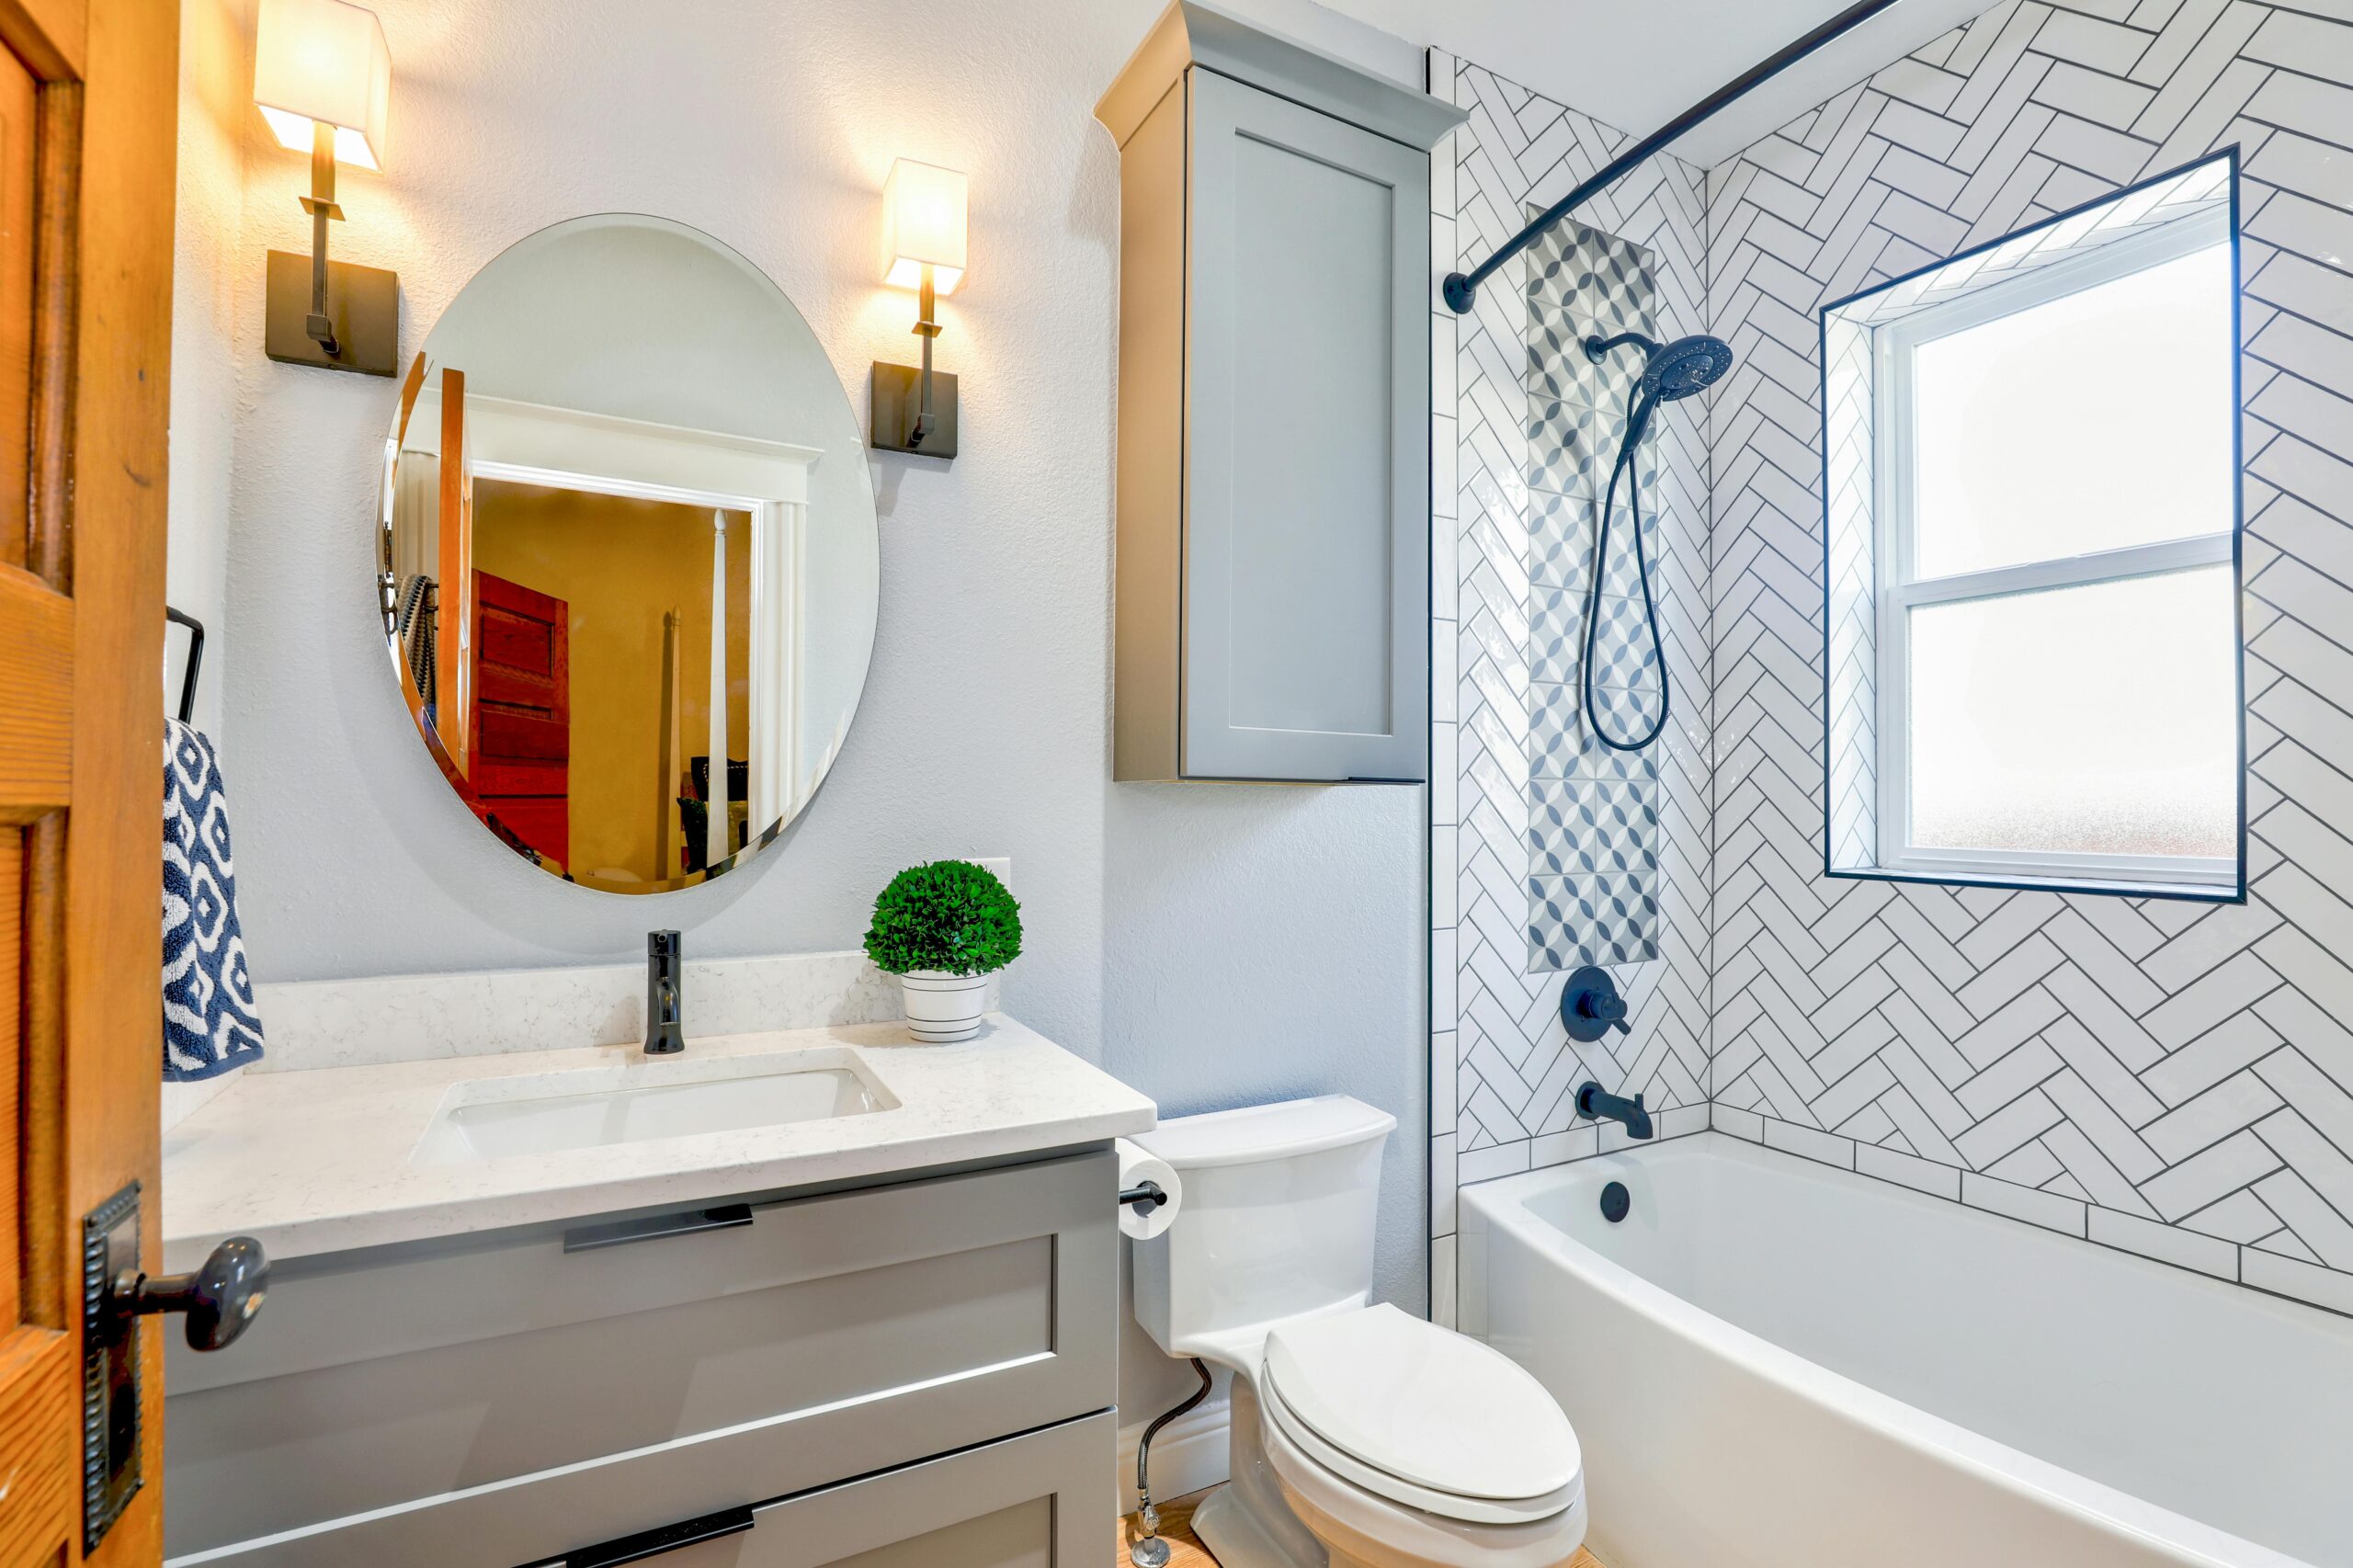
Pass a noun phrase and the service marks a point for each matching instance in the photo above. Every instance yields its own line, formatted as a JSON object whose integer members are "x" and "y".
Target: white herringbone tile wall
{"x": 2175, "y": 1079}
{"x": 1503, "y": 1072}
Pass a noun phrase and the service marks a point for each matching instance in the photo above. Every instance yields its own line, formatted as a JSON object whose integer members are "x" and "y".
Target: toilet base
{"x": 1245, "y": 1523}
{"x": 1223, "y": 1524}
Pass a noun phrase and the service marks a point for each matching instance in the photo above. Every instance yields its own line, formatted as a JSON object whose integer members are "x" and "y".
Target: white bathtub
{"x": 1774, "y": 1364}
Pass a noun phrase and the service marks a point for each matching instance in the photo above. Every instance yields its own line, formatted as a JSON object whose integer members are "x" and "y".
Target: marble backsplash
{"x": 413, "y": 1017}
{"x": 354, "y": 1023}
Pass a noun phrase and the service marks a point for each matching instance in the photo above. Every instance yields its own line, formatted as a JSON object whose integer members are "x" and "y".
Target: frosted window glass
{"x": 2095, "y": 720}
{"x": 2095, "y": 421}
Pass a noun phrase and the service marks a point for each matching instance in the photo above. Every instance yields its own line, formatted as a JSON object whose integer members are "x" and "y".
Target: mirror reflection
{"x": 628, "y": 530}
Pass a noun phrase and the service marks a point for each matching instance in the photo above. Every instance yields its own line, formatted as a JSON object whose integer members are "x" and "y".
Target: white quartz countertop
{"x": 320, "y": 1161}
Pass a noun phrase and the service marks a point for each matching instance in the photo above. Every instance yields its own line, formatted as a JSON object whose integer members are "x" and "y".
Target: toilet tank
{"x": 1277, "y": 1219}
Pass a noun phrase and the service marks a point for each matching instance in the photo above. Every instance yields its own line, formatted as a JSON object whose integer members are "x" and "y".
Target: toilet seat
{"x": 1360, "y": 1529}
{"x": 1423, "y": 1416}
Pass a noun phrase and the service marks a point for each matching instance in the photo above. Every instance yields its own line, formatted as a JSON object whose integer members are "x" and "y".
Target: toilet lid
{"x": 1429, "y": 1407}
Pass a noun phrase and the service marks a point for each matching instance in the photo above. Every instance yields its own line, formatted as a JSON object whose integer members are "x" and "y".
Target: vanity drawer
{"x": 864, "y": 1329}
{"x": 1042, "y": 1500}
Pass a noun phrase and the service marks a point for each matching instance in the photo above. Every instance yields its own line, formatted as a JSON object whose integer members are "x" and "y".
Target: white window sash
{"x": 1897, "y": 591}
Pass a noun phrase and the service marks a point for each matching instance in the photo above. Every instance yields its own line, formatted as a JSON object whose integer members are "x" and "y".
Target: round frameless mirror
{"x": 628, "y": 564}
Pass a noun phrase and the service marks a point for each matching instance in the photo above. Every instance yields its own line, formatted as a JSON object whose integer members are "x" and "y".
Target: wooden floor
{"x": 1176, "y": 1527}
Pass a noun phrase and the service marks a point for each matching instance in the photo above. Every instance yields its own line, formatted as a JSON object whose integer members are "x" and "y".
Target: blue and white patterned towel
{"x": 210, "y": 1021}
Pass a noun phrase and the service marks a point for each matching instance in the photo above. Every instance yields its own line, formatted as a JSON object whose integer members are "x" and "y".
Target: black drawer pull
{"x": 658, "y": 1542}
{"x": 620, "y": 1233}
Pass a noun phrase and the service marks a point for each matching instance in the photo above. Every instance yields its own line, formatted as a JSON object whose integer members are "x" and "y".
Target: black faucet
{"x": 664, "y": 993}
{"x": 1601, "y": 1107}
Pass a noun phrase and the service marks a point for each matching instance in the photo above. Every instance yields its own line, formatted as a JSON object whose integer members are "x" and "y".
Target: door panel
{"x": 522, "y": 721}
{"x": 19, "y": 131}
{"x": 88, "y": 104}
{"x": 1307, "y": 477}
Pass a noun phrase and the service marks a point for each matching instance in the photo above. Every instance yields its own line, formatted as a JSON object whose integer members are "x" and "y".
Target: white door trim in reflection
{"x": 602, "y": 454}
{"x": 664, "y": 462}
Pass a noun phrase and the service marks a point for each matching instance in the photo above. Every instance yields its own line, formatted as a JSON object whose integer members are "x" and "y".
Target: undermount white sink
{"x": 498, "y": 1119}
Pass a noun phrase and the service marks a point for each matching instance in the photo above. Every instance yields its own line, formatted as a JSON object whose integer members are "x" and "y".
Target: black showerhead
{"x": 1685, "y": 366}
{"x": 1670, "y": 370}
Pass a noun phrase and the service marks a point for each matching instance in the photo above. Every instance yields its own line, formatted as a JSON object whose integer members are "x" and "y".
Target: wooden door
{"x": 522, "y": 712}
{"x": 88, "y": 98}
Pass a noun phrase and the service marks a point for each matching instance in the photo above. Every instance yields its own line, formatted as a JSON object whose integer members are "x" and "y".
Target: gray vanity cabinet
{"x": 922, "y": 1367}
{"x": 1272, "y": 574}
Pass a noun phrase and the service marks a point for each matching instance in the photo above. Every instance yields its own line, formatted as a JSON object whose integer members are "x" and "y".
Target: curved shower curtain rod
{"x": 1460, "y": 289}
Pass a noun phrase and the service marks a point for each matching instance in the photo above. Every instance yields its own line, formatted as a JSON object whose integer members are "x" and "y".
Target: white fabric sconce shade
{"x": 323, "y": 62}
{"x": 923, "y": 225}
{"x": 923, "y": 249}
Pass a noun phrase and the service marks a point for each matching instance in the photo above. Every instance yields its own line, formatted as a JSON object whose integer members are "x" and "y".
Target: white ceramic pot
{"x": 942, "y": 1008}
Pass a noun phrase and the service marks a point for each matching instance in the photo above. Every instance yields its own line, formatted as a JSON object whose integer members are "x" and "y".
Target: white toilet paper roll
{"x": 1137, "y": 1167}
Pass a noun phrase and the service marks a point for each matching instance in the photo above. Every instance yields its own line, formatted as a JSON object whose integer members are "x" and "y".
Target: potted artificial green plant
{"x": 943, "y": 928}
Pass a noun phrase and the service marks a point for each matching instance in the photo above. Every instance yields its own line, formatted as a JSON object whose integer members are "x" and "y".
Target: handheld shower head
{"x": 1670, "y": 370}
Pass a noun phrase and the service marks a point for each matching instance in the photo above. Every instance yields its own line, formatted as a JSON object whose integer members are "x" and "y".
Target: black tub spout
{"x": 1602, "y": 1106}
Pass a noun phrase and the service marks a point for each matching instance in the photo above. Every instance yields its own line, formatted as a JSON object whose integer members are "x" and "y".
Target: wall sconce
{"x": 324, "y": 80}
{"x": 923, "y": 248}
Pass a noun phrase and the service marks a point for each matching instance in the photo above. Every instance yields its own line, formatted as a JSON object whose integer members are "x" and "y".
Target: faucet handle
{"x": 1590, "y": 1006}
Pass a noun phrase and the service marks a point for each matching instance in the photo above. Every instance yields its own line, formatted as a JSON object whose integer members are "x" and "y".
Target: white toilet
{"x": 1362, "y": 1438}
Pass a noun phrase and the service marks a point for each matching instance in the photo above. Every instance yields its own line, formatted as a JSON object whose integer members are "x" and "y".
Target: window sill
{"x": 2193, "y": 893}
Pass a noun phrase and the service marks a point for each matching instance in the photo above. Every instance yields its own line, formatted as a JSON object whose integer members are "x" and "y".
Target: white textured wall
{"x": 1210, "y": 944}
{"x": 2174, "y": 1079}
{"x": 215, "y": 103}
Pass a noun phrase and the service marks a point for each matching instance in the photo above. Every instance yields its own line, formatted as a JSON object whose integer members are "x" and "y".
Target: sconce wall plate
{"x": 364, "y": 303}
{"x": 895, "y": 395}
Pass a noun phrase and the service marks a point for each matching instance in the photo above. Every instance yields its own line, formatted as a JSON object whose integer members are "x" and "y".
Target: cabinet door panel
{"x": 1307, "y": 493}
{"x": 861, "y": 1329}
{"x": 1042, "y": 1500}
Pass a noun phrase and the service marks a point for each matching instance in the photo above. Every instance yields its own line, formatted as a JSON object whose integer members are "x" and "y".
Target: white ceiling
{"x": 1635, "y": 65}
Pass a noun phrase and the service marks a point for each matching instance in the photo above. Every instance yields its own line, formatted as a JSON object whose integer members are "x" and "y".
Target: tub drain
{"x": 1615, "y": 1201}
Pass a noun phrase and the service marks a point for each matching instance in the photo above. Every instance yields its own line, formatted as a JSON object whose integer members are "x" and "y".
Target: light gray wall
{"x": 1211, "y": 944}
{"x": 215, "y": 103}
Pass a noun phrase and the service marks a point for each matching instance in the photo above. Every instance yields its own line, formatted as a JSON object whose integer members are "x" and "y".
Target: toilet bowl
{"x": 1360, "y": 1437}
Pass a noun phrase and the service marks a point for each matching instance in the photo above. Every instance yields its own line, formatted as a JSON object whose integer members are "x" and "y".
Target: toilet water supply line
{"x": 1151, "y": 1552}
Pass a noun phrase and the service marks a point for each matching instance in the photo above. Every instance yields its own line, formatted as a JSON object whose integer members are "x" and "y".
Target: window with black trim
{"x": 2032, "y": 482}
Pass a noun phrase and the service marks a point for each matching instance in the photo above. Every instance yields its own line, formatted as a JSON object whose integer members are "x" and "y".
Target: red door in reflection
{"x": 522, "y": 717}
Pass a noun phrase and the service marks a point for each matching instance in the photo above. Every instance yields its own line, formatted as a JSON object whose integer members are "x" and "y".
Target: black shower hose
{"x": 1638, "y": 417}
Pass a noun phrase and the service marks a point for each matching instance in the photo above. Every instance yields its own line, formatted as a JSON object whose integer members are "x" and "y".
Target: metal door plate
{"x": 110, "y": 1390}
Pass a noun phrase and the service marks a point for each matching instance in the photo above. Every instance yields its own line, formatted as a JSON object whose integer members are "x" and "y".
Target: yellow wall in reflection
{"x": 618, "y": 565}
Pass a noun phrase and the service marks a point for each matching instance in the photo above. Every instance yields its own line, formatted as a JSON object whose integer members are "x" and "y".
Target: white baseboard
{"x": 1187, "y": 1454}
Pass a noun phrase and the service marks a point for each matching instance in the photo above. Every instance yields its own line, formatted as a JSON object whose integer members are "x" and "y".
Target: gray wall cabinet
{"x": 497, "y": 1401}
{"x": 1272, "y": 569}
